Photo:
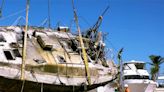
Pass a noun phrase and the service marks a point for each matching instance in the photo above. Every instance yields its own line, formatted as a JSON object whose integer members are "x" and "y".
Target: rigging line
{"x": 49, "y": 20}
{"x": 43, "y": 22}
{"x": 13, "y": 14}
{"x": 17, "y": 21}
{"x": 71, "y": 23}
{"x": 105, "y": 10}
{"x": 107, "y": 40}
{"x": 2, "y": 4}
{"x": 84, "y": 20}
{"x": 57, "y": 24}
{"x": 1, "y": 7}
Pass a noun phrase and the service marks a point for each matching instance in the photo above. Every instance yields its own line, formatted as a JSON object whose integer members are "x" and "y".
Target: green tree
{"x": 156, "y": 62}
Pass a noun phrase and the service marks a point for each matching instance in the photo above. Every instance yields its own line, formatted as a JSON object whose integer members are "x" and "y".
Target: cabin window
{"x": 2, "y": 39}
{"x": 9, "y": 55}
{"x": 61, "y": 59}
{"x": 140, "y": 66}
{"x": 12, "y": 54}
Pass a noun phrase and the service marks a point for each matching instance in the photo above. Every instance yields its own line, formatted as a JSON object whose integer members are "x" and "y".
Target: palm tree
{"x": 156, "y": 62}
{"x": 119, "y": 57}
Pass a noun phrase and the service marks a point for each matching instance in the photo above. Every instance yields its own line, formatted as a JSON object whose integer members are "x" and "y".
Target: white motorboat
{"x": 137, "y": 77}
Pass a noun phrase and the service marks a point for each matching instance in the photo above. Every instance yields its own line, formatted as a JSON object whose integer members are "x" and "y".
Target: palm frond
{"x": 161, "y": 60}
{"x": 155, "y": 59}
{"x": 119, "y": 53}
{"x": 149, "y": 63}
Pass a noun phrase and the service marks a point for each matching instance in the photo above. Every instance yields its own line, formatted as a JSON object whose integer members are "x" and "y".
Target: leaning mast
{"x": 25, "y": 42}
{"x": 82, "y": 46}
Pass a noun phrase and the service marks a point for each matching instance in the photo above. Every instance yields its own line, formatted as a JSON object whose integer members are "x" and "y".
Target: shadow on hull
{"x": 13, "y": 85}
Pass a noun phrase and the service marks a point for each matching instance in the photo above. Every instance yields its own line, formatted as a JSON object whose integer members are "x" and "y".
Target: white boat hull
{"x": 139, "y": 85}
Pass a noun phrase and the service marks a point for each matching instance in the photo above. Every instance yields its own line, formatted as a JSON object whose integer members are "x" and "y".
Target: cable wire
{"x": 13, "y": 14}
{"x": 1, "y": 7}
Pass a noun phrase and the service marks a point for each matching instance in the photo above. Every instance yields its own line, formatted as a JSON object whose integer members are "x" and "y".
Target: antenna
{"x": 82, "y": 45}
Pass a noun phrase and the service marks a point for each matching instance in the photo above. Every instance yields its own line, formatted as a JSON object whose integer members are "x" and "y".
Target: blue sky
{"x": 136, "y": 25}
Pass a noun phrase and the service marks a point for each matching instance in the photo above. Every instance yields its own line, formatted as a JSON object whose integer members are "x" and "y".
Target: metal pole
{"x": 24, "y": 43}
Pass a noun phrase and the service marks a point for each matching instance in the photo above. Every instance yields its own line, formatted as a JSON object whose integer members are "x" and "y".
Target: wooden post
{"x": 24, "y": 43}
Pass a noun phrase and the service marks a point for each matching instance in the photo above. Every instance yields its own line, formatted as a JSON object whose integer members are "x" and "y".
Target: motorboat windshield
{"x": 136, "y": 65}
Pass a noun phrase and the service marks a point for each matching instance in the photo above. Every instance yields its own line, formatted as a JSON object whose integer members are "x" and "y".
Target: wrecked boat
{"x": 54, "y": 61}
{"x": 39, "y": 59}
